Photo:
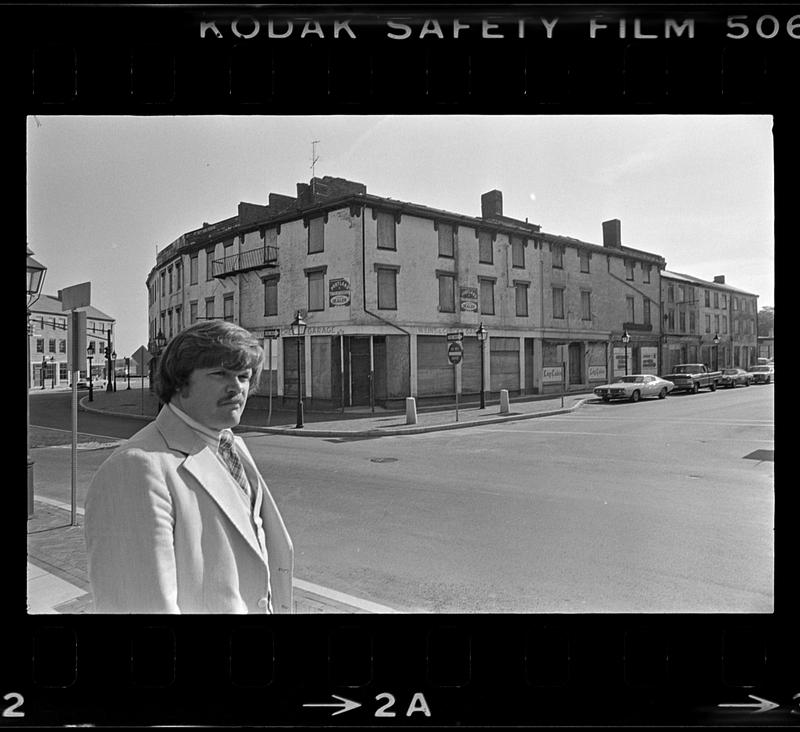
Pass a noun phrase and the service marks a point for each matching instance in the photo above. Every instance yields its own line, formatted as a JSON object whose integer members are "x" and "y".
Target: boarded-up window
{"x": 316, "y": 290}
{"x": 521, "y": 294}
{"x": 386, "y": 231}
{"x": 487, "y": 296}
{"x": 316, "y": 235}
{"x": 447, "y": 245}
{"x": 517, "y": 252}
{"x": 558, "y": 302}
{"x": 504, "y": 363}
{"x": 485, "y": 255}
{"x": 271, "y": 296}
{"x": 387, "y": 288}
{"x": 447, "y": 293}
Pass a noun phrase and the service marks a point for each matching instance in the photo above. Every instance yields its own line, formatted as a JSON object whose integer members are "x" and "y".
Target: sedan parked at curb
{"x": 762, "y": 374}
{"x": 634, "y": 387}
{"x": 733, "y": 377}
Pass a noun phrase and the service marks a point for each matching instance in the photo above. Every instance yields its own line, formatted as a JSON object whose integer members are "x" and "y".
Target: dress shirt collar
{"x": 209, "y": 436}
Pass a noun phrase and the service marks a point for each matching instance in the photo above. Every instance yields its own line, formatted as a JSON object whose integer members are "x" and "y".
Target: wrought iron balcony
{"x": 263, "y": 257}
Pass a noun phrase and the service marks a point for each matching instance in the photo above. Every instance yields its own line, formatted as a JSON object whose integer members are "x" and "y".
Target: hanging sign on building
{"x": 649, "y": 356}
{"x": 469, "y": 299}
{"x": 339, "y": 292}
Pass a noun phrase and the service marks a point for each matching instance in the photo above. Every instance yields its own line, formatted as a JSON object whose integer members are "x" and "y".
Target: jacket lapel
{"x": 210, "y": 474}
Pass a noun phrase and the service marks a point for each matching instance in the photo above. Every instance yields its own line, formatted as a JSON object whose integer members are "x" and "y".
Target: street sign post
{"x": 455, "y": 351}
{"x": 455, "y": 335}
{"x": 270, "y": 334}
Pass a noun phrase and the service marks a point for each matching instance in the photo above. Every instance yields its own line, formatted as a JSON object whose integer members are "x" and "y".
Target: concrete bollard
{"x": 411, "y": 410}
{"x": 503, "y": 401}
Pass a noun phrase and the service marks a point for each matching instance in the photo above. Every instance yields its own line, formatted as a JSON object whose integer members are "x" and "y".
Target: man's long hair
{"x": 207, "y": 344}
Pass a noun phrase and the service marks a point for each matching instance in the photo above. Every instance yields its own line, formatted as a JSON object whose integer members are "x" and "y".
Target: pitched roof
{"x": 705, "y": 283}
{"x": 50, "y": 305}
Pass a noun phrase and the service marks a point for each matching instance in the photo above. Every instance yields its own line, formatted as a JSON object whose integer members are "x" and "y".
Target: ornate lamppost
{"x": 35, "y": 280}
{"x": 298, "y": 328}
{"x": 626, "y": 339}
{"x": 716, "y": 351}
{"x": 481, "y": 334}
{"x": 114, "y": 370}
{"x": 155, "y": 346}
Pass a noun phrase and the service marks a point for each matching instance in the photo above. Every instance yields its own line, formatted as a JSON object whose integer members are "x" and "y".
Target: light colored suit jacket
{"x": 167, "y": 530}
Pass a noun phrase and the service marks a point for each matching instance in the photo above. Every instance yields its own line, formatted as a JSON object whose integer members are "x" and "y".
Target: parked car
{"x": 733, "y": 377}
{"x": 693, "y": 377}
{"x": 97, "y": 383}
{"x": 762, "y": 374}
{"x": 634, "y": 387}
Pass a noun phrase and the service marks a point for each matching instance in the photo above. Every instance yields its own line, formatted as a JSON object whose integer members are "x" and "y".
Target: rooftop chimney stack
{"x": 612, "y": 234}
{"x": 719, "y": 279}
{"x": 492, "y": 204}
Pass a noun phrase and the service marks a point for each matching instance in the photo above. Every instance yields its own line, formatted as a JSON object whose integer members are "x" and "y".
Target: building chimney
{"x": 719, "y": 279}
{"x": 492, "y": 204}
{"x": 612, "y": 233}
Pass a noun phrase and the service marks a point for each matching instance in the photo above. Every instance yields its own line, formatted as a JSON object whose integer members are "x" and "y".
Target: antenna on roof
{"x": 314, "y": 158}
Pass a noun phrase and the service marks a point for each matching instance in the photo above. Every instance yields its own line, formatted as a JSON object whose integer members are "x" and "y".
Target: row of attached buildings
{"x": 381, "y": 283}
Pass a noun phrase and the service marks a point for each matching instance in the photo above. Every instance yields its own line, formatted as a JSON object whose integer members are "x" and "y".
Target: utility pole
{"x": 314, "y": 158}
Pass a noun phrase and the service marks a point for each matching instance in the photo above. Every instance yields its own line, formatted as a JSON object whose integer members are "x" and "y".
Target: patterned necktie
{"x": 228, "y": 454}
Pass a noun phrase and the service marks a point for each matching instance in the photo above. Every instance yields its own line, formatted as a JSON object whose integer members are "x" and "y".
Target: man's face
{"x": 215, "y": 397}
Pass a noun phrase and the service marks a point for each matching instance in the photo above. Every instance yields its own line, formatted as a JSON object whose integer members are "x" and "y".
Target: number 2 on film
{"x": 16, "y": 702}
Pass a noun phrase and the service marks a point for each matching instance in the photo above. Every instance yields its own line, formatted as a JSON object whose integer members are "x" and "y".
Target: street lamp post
{"x": 481, "y": 334}
{"x": 53, "y": 372}
{"x": 299, "y": 331}
{"x": 35, "y": 280}
{"x": 114, "y": 369}
{"x": 626, "y": 339}
{"x": 128, "y": 370}
{"x": 155, "y": 346}
{"x": 716, "y": 351}
{"x": 90, "y": 356}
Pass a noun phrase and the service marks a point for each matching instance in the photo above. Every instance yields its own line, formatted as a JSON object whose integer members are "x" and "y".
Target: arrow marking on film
{"x": 763, "y": 705}
{"x": 346, "y": 704}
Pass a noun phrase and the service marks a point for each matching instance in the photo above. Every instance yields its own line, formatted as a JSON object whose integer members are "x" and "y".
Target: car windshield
{"x": 730, "y": 372}
{"x": 632, "y": 379}
{"x": 759, "y": 368}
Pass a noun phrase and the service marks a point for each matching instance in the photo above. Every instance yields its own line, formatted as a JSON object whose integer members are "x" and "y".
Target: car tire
{"x": 695, "y": 387}
{"x": 663, "y": 393}
{"x": 713, "y": 386}
{"x": 635, "y": 396}
{"x": 606, "y": 398}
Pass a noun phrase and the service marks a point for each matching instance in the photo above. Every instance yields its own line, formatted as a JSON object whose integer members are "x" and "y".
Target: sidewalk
{"x": 352, "y": 421}
{"x": 57, "y": 575}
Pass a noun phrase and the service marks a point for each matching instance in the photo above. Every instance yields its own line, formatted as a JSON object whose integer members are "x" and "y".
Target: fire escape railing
{"x": 244, "y": 261}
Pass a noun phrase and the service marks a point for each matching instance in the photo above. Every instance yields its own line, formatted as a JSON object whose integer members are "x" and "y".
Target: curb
{"x": 373, "y": 432}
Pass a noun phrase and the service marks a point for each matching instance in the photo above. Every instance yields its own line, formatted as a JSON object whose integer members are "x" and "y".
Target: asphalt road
{"x": 660, "y": 506}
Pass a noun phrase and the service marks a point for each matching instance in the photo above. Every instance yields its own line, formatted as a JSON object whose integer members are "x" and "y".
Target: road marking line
{"x": 344, "y": 598}
{"x": 86, "y": 434}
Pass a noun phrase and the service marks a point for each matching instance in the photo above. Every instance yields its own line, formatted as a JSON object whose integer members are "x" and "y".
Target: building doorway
{"x": 575, "y": 363}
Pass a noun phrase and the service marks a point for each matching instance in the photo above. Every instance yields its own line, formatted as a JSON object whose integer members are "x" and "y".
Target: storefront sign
{"x": 552, "y": 375}
{"x": 339, "y": 292}
{"x": 597, "y": 373}
{"x": 649, "y": 355}
{"x": 469, "y": 299}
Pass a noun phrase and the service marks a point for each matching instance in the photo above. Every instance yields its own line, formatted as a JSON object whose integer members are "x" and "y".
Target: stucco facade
{"x": 380, "y": 284}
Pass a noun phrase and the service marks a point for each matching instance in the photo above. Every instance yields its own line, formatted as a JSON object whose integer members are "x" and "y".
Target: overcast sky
{"x": 104, "y": 193}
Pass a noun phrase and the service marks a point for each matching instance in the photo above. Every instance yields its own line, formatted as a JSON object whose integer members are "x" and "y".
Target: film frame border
{"x": 532, "y": 669}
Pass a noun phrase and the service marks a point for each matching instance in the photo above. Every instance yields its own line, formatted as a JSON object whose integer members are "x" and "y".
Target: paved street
{"x": 661, "y": 506}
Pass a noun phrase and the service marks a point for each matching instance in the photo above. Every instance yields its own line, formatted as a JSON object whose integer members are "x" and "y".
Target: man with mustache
{"x": 179, "y": 519}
